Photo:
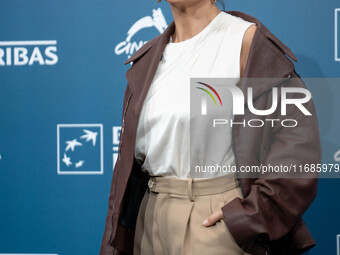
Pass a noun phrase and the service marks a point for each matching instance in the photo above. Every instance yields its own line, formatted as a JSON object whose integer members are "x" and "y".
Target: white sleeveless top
{"x": 163, "y": 134}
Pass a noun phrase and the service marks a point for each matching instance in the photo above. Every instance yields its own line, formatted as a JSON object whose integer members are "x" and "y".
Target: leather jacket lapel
{"x": 141, "y": 73}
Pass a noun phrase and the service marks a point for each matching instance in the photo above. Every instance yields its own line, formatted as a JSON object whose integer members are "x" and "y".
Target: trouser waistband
{"x": 193, "y": 186}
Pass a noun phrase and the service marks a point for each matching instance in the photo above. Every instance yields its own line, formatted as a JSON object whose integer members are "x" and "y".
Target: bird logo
{"x": 72, "y": 144}
{"x": 88, "y": 136}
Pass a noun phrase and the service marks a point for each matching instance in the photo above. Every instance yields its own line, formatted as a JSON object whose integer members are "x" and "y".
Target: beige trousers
{"x": 171, "y": 214}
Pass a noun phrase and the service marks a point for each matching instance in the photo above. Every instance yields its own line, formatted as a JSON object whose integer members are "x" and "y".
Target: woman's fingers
{"x": 213, "y": 218}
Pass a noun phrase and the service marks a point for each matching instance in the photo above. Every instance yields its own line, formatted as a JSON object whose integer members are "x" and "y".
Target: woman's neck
{"x": 190, "y": 20}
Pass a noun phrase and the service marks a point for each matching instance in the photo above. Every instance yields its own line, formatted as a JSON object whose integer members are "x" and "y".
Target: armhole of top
{"x": 241, "y": 47}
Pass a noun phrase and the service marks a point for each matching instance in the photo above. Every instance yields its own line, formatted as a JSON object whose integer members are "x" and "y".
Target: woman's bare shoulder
{"x": 246, "y": 44}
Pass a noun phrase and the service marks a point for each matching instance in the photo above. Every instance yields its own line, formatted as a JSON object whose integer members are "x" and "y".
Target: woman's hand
{"x": 213, "y": 218}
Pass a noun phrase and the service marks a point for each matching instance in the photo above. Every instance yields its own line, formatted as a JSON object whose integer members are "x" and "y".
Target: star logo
{"x": 72, "y": 144}
{"x": 90, "y": 136}
{"x": 67, "y": 160}
{"x": 80, "y": 163}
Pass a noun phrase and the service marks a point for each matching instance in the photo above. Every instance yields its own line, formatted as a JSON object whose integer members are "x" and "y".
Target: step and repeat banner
{"x": 62, "y": 82}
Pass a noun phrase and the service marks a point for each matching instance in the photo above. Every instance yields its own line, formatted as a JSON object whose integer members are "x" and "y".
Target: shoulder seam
{"x": 278, "y": 50}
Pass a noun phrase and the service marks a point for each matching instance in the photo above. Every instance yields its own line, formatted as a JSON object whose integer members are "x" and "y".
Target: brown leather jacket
{"x": 269, "y": 218}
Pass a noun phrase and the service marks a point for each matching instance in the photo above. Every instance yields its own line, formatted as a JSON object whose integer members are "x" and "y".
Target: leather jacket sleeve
{"x": 273, "y": 205}
{"x": 106, "y": 247}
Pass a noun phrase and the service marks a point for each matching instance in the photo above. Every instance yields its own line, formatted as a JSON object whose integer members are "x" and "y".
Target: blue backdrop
{"x": 62, "y": 81}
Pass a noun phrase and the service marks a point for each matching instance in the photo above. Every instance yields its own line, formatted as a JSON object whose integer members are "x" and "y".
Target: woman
{"x": 155, "y": 206}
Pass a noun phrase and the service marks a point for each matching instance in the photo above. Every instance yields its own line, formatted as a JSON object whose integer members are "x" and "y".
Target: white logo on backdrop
{"x": 337, "y": 156}
{"x": 20, "y": 53}
{"x": 338, "y": 244}
{"x": 336, "y": 34}
{"x": 78, "y": 149}
{"x": 115, "y": 142}
{"x": 128, "y": 46}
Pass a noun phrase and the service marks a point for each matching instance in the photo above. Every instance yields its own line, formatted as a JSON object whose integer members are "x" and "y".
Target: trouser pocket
{"x": 217, "y": 202}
